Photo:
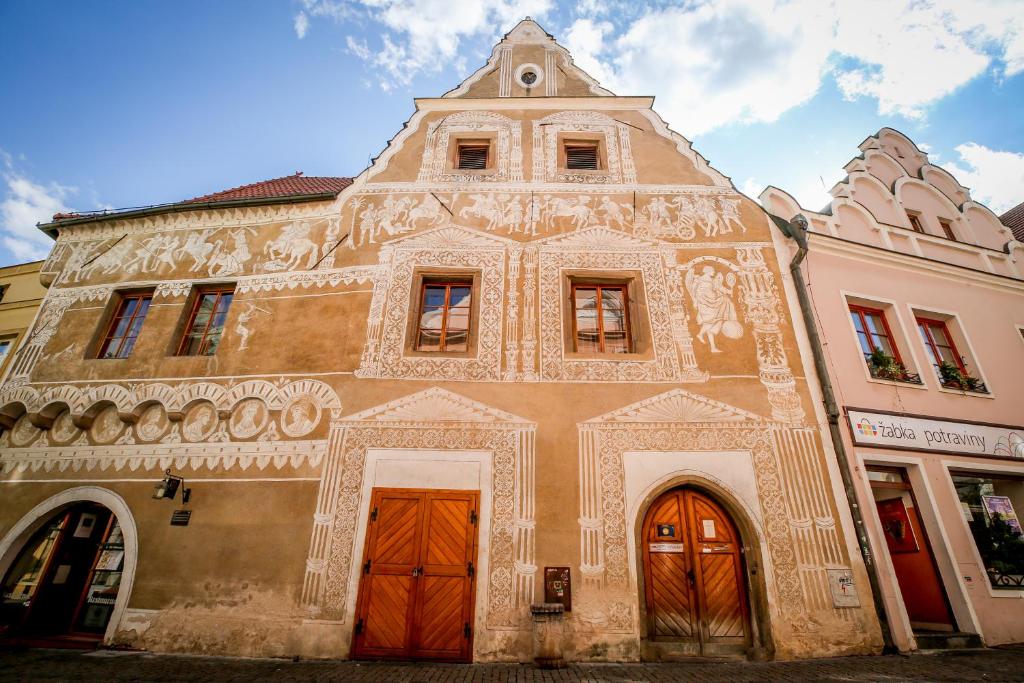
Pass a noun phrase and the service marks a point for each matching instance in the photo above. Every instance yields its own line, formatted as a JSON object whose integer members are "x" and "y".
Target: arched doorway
{"x": 63, "y": 582}
{"x": 694, "y": 579}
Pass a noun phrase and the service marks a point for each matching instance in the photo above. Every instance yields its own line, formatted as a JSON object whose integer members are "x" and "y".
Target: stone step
{"x": 948, "y": 641}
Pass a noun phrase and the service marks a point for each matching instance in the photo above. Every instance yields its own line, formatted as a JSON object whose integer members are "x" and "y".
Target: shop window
{"x": 947, "y": 362}
{"x": 582, "y": 156}
{"x": 473, "y": 155}
{"x": 915, "y": 221}
{"x": 947, "y": 229}
{"x": 601, "y": 318}
{"x": 990, "y": 504}
{"x": 125, "y": 325}
{"x": 445, "y": 316}
{"x": 206, "y": 321}
{"x": 878, "y": 346}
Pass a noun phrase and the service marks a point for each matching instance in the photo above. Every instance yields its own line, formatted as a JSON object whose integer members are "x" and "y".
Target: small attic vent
{"x": 581, "y": 157}
{"x": 528, "y": 78}
{"x": 473, "y": 157}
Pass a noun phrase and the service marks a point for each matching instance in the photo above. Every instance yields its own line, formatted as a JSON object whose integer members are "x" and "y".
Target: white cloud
{"x": 752, "y": 187}
{"x": 24, "y": 204}
{"x": 745, "y": 61}
{"x": 358, "y": 48}
{"x": 423, "y": 36}
{"x": 995, "y": 178}
{"x": 301, "y": 25}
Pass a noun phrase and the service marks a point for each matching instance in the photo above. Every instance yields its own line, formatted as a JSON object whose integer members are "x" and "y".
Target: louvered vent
{"x": 473, "y": 157}
{"x": 581, "y": 157}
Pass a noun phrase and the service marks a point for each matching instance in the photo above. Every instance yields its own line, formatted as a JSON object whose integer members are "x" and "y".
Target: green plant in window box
{"x": 954, "y": 378}
{"x": 884, "y": 366}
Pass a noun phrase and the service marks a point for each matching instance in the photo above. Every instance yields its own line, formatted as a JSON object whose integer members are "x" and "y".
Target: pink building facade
{"x": 917, "y": 293}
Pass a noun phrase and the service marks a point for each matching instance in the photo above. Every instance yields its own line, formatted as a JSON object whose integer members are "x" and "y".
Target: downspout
{"x": 797, "y": 231}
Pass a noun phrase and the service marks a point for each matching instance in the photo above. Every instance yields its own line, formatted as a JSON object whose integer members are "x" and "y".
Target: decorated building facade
{"x": 537, "y": 351}
{"x": 918, "y": 291}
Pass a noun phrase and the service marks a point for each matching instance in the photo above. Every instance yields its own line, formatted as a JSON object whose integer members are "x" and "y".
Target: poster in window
{"x": 86, "y": 523}
{"x": 899, "y": 534}
{"x": 110, "y": 560}
{"x": 1001, "y": 505}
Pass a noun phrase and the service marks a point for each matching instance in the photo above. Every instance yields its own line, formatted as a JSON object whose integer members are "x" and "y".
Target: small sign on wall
{"x": 558, "y": 586}
{"x": 844, "y": 592}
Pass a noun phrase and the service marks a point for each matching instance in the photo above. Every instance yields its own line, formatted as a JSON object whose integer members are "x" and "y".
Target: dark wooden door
{"x": 693, "y": 574}
{"x": 416, "y": 593}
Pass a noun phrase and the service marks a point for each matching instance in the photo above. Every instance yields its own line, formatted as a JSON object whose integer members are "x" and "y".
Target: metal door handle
{"x": 691, "y": 576}
{"x": 415, "y": 571}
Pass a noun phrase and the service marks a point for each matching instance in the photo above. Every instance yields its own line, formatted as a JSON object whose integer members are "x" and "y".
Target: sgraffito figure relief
{"x": 248, "y": 418}
{"x": 152, "y": 424}
{"x": 300, "y": 416}
{"x": 292, "y": 249}
{"x": 199, "y": 422}
{"x": 250, "y": 311}
{"x": 712, "y": 294}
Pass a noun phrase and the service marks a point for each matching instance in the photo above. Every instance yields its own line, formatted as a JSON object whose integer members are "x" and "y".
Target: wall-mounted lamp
{"x": 168, "y": 488}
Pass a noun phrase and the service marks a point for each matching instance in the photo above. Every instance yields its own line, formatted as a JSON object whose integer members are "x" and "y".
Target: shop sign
{"x": 884, "y": 430}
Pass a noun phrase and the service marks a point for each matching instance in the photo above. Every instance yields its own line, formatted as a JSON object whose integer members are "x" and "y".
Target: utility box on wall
{"x": 558, "y": 586}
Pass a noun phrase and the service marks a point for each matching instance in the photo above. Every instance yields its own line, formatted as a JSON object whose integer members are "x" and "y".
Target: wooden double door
{"x": 418, "y": 580}
{"x": 693, "y": 576}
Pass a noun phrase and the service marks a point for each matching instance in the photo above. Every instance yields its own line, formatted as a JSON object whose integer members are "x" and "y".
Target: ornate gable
{"x": 529, "y": 62}
{"x": 436, "y": 405}
{"x": 597, "y": 238}
{"x": 452, "y": 237}
{"x": 677, "y": 406}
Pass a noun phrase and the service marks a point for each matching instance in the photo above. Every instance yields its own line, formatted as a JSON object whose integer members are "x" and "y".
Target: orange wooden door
{"x": 693, "y": 573}
{"x": 916, "y": 573}
{"x": 416, "y": 592}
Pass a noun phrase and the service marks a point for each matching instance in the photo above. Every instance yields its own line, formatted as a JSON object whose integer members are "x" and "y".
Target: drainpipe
{"x": 796, "y": 230}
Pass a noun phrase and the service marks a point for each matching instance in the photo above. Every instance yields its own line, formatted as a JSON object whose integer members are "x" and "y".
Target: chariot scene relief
{"x": 375, "y": 218}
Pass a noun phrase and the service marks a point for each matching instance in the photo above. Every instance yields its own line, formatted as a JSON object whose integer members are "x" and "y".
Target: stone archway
{"x": 18, "y": 535}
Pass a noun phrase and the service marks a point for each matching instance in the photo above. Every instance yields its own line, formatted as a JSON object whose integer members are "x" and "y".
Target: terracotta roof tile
{"x": 1014, "y": 220}
{"x": 288, "y": 186}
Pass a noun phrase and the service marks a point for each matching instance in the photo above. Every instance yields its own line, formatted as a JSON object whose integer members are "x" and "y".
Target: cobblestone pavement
{"x": 999, "y": 664}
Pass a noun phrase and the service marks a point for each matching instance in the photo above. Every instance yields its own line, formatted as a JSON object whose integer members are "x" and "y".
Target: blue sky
{"x": 112, "y": 105}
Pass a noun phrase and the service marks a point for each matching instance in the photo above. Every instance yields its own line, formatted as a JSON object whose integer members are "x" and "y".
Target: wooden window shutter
{"x": 473, "y": 157}
{"x": 581, "y": 157}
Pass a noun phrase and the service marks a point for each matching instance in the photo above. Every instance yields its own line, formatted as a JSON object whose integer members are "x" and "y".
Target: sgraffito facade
{"x": 536, "y": 323}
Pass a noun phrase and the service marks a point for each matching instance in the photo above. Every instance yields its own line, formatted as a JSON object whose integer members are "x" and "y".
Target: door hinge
{"x": 359, "y": 626}
{"x": 373, "y": 515}
{"x": 366, "y": 567}
{"x": 466, "y": 630}
{"x": 472, "y": 516}
{"x": 469, "y": 569}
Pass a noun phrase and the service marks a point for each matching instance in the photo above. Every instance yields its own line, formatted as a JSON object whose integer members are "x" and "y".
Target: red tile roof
{"x": 288, "y": 186}
{"x": 1014, "y": 220}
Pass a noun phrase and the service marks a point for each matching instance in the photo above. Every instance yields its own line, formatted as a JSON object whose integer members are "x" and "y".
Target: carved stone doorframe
{"x": 434, "y": 419}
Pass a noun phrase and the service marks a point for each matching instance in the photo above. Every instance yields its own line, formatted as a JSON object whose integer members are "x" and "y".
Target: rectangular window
{"x": 915, "y": 222}
{"x": 601, "y": 318}
{"x": 125, "y": 326}
{"x": 939, "y": 345}
{"x": 473, "y": 156}
{"x": 873, "y": 332}
{"x": 206, "y": 322}
{"x": 446, "y": 311}
{"x": 990, "y": 505}
{"x": 6, "y": 346}
{"x": 3, "y": 291}
{"x": 581, "y": 156}
{"x": 947, "y": 229}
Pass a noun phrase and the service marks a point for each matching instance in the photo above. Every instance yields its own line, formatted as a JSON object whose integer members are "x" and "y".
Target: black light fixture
{"x": 168, "y": 488}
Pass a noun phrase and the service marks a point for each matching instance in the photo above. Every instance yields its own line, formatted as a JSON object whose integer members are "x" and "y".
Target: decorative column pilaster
{"x": 761, "y": 300}
{"x": 327, "y": 500}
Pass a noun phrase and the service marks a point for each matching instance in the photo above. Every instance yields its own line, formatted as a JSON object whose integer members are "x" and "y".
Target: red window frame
{"x": 600, "y": 318}
{"x": 947, "y": 228}
{"x": 220, "y": 293}
{"x": 915, "y": 222}
{"x": 924, "y": 326}
{"x": 445, "y": 310}
{"x": 123, "y": 348}
{"x": 860, "y": 312}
